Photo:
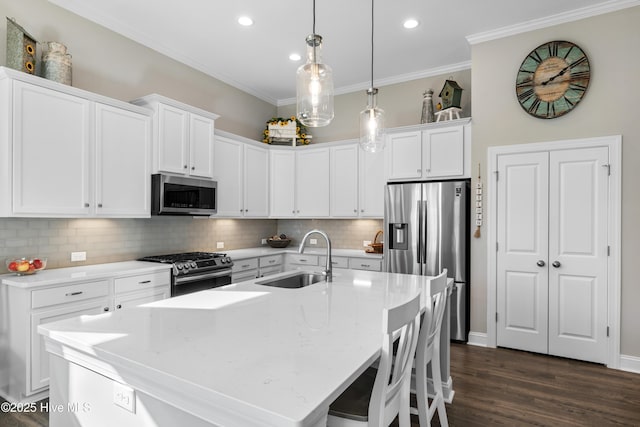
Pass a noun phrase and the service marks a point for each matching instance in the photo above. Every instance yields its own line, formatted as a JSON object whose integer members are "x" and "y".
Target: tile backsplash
{"x": 111, "y": 240}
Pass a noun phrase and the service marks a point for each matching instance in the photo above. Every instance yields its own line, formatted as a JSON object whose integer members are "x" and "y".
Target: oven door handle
{"x": 186, "y": 279}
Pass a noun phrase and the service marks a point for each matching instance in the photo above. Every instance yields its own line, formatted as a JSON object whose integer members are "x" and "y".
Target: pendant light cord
{"x": 314, "y": 17}
{"x": 371, "y": 44}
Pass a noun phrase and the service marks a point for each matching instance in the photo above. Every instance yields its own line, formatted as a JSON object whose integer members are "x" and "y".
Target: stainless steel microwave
{"x": 176, "y": 195}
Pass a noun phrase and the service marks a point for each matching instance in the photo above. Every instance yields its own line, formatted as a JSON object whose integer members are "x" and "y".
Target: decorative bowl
{"x": 26, "y": 265}
{"x": 278, "y": 243}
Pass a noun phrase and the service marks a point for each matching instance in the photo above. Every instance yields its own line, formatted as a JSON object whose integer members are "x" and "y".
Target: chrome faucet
{"x": 328, "y": 268}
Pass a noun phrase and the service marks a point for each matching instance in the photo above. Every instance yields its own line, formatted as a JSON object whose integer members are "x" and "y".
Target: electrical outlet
{"x": 220, "y": 245}
{"x": 366, "y": 242}
{"x": 124, "y": 396}
{"x": 264, "y": 241}
{"x": 313, "y": 241}
{"x": 78, "y": 256}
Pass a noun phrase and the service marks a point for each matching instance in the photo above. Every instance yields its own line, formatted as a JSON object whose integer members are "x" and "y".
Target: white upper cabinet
{"x": 122, "y": 178}
{"x": 299, "y": 182}
{"x": 371, "y": 184}
{"x": 434, "y": 151}
{"x": 70, "y": 153}
{"x": 344, "y": 180}
{"x": 183, "y": 137}
{"x": 241, "y": 170}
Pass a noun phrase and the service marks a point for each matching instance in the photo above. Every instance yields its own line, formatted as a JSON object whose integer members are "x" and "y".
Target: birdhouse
{"x": 21, "y": 48}
{"x": 451, "y": 94}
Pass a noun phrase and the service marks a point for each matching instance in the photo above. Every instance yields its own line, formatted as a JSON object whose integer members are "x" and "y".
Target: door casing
{"x": 614, "y": 226}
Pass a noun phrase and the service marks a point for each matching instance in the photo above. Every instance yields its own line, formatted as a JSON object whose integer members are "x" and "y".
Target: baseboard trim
{"x": 478, "y": 339}
{"x": 630, "y": 364}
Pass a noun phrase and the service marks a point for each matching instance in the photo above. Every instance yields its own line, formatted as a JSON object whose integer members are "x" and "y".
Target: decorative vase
{"x": 428, "y": 115}
{"x": 56, "y": 63}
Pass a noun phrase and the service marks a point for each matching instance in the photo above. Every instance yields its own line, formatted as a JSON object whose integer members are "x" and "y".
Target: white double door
{"x": 552, "y": 252}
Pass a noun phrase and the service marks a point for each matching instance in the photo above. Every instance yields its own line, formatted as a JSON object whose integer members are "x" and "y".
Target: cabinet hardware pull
{"x": 365, "y": 265}
{"x": 193, "y": 168}
{"x": 303, "y": 260}
{"x": 556, "y": 264}
{"x": 246, "y": 266}
{"x": 540, "y": 263}
{"x": 106, "y": 309}
{"x": 73, "y": 293}
{"x": 86, "y": 205}
{"x": 144, "y": 281}
{"x": 99, "y": 205}
{"x": 119, "y": 306}
{"x": 272, "y": 261}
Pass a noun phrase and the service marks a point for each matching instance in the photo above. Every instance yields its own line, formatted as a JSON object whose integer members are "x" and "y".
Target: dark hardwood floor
{"x": 500, "y": 387}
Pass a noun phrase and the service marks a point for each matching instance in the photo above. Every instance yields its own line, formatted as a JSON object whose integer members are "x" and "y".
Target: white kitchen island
{"x": 242, "y": 355}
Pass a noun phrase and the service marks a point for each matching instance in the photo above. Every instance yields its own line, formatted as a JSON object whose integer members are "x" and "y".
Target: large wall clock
{"x": 552, "y": 79}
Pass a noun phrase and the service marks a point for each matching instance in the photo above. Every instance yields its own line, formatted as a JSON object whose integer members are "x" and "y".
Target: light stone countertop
{"x": 85, "y": 273}
{"x": 269, "y": 356}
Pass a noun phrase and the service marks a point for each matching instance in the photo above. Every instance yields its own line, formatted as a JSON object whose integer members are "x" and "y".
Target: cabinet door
{"x": 282, "y": 174}
{"x": 137, "y": 298}
{"x": 122, "y": 163}
{"x": 51, "y": 136}
{"x": 173, "y": 134}
{"x": 312, "y": 183}
{"x": 372, "y": 182}
{"x": 39, "y": 372}
{"x": 256, "y": 181}
{"x": 344, "y": 181}
{"x": 443, "y": 152}
{"x": 404, "y": 153}
{"x": 200, "y": 146}
{"x": 228, "y": 173}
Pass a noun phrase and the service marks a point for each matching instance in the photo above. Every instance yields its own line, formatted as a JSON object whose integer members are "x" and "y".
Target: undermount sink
{"x": 298, "y": 280}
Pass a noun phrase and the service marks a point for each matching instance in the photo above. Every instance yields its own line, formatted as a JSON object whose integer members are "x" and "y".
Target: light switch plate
{"x": 313, "y": 241}
{"x": 264, "y": 241}
{"x": 366, "y": 243}
{"x": 124, "y": 396}
{"x": 220, "y": 245}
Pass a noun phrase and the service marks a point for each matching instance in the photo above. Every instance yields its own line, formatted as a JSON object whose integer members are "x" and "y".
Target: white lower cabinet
{"x": 353, "y": 263}
{"x": 253, "y": 268}
{"x": 25, "y": 374}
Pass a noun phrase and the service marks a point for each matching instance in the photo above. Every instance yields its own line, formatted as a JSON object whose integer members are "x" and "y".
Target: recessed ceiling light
{"x": 410, "y": 23}
{"x": 295, "y": 57}
{"x": 245, "y": 21}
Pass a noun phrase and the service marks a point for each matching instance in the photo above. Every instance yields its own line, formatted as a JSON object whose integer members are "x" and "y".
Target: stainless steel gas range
{"x": 195, "y": 271}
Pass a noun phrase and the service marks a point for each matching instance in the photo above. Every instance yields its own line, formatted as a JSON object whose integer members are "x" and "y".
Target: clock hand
{"x": 564, "y": 70}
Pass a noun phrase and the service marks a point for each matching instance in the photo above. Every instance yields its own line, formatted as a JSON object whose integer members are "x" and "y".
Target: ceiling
{"x": 205, "y": 35}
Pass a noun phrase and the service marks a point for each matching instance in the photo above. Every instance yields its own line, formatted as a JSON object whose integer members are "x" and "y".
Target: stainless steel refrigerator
{"x": 427, "y": 229}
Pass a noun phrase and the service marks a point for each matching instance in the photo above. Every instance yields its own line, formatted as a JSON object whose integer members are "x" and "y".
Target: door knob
{"x": 540, "y": 263}
{"x": 556, "y": 264}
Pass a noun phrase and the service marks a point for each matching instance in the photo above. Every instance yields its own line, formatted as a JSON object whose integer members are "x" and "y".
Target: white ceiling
{"x": 205, "y": 35}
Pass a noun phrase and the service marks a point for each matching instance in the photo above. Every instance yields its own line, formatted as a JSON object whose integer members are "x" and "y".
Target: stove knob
{"x": 228, "y": 259}
{"x": 193, "y": 264}
{"x": 179, "y": 266}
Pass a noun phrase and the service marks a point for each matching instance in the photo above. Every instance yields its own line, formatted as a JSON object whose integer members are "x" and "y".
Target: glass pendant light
{"x": 314, "y": 84}
{"x": 372, "y": 118}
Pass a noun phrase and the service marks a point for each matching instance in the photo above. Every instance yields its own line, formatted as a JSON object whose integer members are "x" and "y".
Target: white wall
{"x": 609, "y": 107}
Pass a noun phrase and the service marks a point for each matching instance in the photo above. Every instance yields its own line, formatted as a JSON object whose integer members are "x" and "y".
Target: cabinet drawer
{"x": 69, "y": 293}
{"x": 243, "y": 276}
{"x": 141, "y": 282}
{"x": 365, "y": 264}
{"x": 303, "y": 259}
{"x": 267, "y": 271}
{"x": 244, "y": 265}
{"x": 267, "y": 261}
{"x": 336, "y": 261}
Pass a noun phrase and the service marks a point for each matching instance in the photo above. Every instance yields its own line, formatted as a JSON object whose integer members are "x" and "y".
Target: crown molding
{"x": 549, "y": 21}
{"x": 402, "y": 78}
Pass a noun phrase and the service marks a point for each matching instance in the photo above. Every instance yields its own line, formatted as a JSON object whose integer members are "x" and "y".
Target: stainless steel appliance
{"x": 427, "y": 229}
{"x": 177, "y": 195}
{"x": 196, "y": 271}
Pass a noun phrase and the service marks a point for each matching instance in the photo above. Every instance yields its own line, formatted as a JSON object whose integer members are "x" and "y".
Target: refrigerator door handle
{"x": 423, "y": 237}
{"x": 419, "y": 249}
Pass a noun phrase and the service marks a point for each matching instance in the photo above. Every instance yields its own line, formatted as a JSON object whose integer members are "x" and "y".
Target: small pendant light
{"x": 372, "y": 118}
{"x": 314, "y": 84}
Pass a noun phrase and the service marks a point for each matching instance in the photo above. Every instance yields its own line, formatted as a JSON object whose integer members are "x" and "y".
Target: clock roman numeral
{"x": 578, "y": 62}
{"x": 551, "y": 109}
{"x": 534, "y": 106}
{"x": 568, "y": 101}
{"x": 525, "y": 95}
{"x": 577, "y": 87}
{"x": 578, "y": 75}
{"x": 534, "y": 55}
{"x": 566, "y": 55}
{"x": 553, "y": 48}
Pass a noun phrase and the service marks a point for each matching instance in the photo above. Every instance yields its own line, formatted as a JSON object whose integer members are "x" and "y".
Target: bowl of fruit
{"x": 26, "y": 265}
{"x": 278, "y": 241}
